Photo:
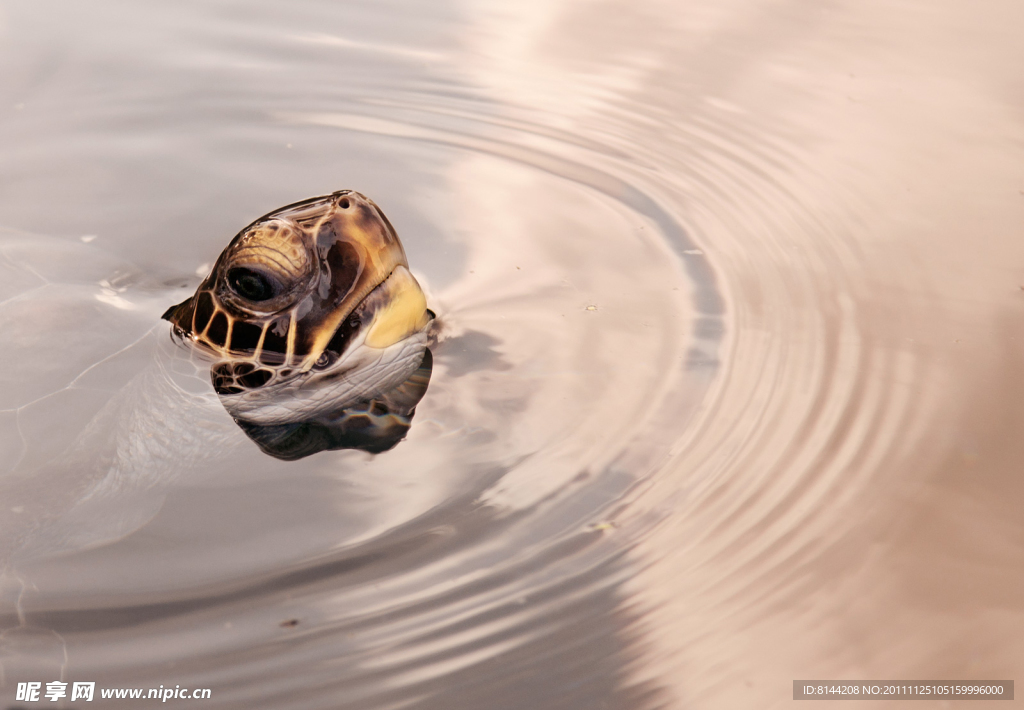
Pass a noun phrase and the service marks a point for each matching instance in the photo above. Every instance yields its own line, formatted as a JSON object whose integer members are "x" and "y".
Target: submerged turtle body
{"x": 309, "y": 310}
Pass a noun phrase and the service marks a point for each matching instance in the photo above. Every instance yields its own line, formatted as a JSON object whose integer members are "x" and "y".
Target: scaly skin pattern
{"x": 315, "y": 292}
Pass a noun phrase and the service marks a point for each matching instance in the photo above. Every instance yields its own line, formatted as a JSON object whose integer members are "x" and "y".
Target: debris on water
{"x": 591, "y": 308}
{"x": 289, "y": 623}
{"x": 605, "y": 526}
{"x": 694, "y": 252}
{"x": 203, "y": 269}
{"x": 87, "y": 237}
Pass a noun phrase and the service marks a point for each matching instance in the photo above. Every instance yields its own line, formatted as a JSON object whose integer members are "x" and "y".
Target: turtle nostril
{"x": 344, "y": 203}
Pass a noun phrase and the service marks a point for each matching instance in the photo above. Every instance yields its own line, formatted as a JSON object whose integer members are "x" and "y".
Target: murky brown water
{"x": 728, "y": 392}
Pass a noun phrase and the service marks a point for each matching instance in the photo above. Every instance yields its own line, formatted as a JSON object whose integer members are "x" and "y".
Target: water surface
{"x": 726, "y": 392}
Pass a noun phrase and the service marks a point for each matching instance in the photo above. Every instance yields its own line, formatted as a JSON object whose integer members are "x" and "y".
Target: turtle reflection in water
{"x": 317, "y": 328}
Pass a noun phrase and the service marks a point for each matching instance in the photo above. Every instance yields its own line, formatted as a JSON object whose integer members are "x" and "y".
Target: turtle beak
{"x": 174, "y": 314}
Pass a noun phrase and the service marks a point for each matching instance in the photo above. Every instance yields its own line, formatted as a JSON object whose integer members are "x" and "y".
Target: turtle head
{"x": 297, "y": 290}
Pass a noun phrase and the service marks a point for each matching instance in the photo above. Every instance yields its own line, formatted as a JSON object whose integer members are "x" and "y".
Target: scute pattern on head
{"x": 273, "y": 243}
{"x": 278, "y": 297}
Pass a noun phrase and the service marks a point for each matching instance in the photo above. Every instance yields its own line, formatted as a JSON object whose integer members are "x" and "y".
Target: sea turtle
{"x": 316, "y": 327}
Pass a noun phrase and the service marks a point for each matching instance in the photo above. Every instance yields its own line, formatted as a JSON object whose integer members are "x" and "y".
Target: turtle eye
{"x": 252, "y": 285}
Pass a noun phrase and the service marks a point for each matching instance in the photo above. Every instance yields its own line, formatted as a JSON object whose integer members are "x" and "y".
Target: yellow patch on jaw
{"x": 404, "y": 314}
